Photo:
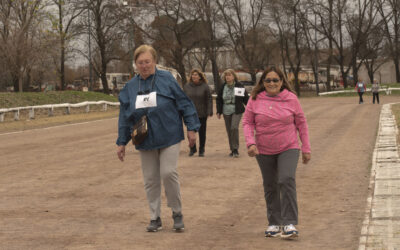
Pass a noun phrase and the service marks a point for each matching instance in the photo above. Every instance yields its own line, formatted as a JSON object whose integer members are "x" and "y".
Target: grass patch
{"x": 11, "y": 100}
{"x": 44, "y": 122}
{"x": 42, "y": 118}
{"x": 381, "y": 93}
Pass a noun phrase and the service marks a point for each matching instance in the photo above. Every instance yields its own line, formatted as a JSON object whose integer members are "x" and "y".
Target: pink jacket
{"x": 275, "y": 121}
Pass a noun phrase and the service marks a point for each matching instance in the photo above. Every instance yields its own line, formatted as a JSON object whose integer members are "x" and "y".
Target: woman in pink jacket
{"x": 272, "y": 119}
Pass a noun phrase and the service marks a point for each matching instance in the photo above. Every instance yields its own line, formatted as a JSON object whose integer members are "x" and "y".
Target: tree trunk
{"x": 62, "y": 66}
{"x": 355, "y": 69}
{"x": 15, "y": 80}
{"x": 215, "y": 71}
{"x": 396, "y": 66}
{"x": 296, "y": 82}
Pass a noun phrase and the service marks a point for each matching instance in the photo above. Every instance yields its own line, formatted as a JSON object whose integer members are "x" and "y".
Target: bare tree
{"x": 20, "y": 21}
{"x": 389, "y": 11}
{"x": 311, "y": 40}
{"x": 290, "y": 34}
{"x": 245, "y": 26}
{"x": 64, "y": 23}
{"x": 359, "y": 25}
{"x": 372, "y": 53}
{"x": 108, "y": 19}
{"x": 173, "y": 31}
{"x": 210, "y": 16}
{"x": 334, "y": 29}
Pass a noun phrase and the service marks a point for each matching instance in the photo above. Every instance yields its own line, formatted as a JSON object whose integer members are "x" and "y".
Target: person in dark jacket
{"x": 199, "y": 92}
{"x": 231, "y": 101}
{"x": 156, "y": 94}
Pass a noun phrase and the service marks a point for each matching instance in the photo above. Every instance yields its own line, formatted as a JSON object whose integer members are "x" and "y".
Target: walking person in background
{"x": 199, "y": 92}
{"x": 375, "y": 91}
{"x": 274, "y": 114}
{"x": 360, "y": 88}
{"x": 156, "y": 94}
{"x": 231, "y": 101}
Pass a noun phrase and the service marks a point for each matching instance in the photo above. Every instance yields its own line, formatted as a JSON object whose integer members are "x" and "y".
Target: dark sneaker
{"x": 289, "y": 231}
{"x": 201, "y": 153}
{"x": 273, "y": 231}
{"x": 154, "y": 225}
{"x": 193, "y": 150}
{"x": 178, "y": 221}
{"x": 231, "y": 154}
{"x": 235, "y": 153}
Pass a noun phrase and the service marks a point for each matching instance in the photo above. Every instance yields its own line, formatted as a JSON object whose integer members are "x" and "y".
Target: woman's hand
{"x": 121, "y": 152}
{"x": 252, "y": 151}
{"x": 306, "y": 157}
{"x": 191, "y": 135}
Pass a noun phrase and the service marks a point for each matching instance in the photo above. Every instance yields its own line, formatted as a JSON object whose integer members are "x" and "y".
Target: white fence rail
{"x": 51, "y": 107}
{"x": 387, "y": 90}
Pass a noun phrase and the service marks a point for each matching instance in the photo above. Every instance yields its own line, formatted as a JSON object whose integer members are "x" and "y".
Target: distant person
{"x": 156, "y": 94}
{"x": 360, "y": 88}
{"x": 199, "y": 92}
{"x": 272, "y": 119}
{"x": 375, "y": 91}
{"x": 231, "y": 101}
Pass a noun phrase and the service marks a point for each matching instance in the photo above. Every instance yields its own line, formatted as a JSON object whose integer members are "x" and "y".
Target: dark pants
{"x": 202, "y": 135}
{"x": 232, "y": 129}
{"x": 360, "y": 94}
{"x": 279, "y": 179}
{"x": 377, "y": 97}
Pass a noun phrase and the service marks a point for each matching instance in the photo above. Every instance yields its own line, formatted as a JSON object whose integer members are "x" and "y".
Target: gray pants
{"x": 232, "y": 129}
{"x": 157, "y": 165}
{"x": 279, "y": 179}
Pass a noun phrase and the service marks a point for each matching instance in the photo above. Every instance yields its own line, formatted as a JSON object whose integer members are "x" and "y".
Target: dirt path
{"x": 64, "y": 188}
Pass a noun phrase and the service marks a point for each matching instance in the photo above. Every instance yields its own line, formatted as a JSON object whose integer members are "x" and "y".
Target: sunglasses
{"x": 268, "y": 80}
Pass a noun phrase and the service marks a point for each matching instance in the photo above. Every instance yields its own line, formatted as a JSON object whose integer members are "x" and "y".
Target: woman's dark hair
{"x": 200, "y": 73}
{"x": 260, "y": 85}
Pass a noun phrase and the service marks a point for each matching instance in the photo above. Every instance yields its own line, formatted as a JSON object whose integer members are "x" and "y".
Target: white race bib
{"x": 239, "y": 91}
{"x": 146, "y": 101}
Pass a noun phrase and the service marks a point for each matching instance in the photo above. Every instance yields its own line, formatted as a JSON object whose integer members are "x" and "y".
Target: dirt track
{"x": 64, "y": 188}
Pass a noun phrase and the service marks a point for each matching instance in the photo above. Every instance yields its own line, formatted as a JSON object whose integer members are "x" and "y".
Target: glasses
{"x": 268, "y": 80}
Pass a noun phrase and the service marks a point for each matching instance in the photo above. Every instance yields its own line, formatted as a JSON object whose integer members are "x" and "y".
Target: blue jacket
{"x": 165, "y": 127}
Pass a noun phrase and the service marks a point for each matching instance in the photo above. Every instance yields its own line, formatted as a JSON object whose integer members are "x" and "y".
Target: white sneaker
{"x": 273, "y": 231}
{"x": 289, "y": 231}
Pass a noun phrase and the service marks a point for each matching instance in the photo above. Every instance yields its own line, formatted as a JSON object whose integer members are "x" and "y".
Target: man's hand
{"x": 191, "y": 135}
{"x": 252, "y": 151}
{"x": 121, "y": 152}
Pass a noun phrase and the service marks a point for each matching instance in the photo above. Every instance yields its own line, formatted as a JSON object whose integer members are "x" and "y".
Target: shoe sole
{"x": 179, "y": 229}
{"x": 152, "y": 231}
{"x": 272, "y": 235}
{"x": 289, "y": 236}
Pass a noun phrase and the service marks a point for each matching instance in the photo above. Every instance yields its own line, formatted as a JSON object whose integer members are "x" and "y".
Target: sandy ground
{"x": 64, "y": 188}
